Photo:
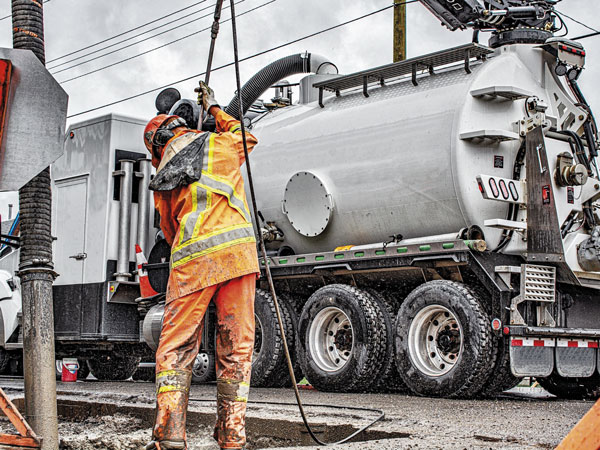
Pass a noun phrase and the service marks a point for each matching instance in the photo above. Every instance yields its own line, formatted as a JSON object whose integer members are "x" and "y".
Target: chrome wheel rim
{"x": 331, "y": 339}
{"x": 201, "y": 365}
{"x": 435, "y": 340}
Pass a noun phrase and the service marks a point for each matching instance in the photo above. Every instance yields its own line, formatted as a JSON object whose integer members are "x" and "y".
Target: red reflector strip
{"x": 576, "y": 343}
{"x": 532, "y": 342}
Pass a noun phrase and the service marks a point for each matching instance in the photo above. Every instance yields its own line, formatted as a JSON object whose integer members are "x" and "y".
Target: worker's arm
{"x": 226, "y": 123}
{"x": 167, "y": 221}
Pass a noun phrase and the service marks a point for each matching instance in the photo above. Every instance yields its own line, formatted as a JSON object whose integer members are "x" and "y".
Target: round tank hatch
{"x": 307, "y": 204}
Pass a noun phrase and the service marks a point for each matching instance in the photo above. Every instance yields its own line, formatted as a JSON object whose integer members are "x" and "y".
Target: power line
{"x": 133, "y": 44}
{"x": 308, "y": 36}
{"x": 577, "y": 21}
{"x": 160, "y": 46}
{"x": 10, "y": 15}
{"x": 129, "y": 31}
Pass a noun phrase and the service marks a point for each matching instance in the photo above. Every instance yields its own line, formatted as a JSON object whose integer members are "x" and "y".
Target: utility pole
{"x": 35, "y": 264}
{"x": 399, "y": 31}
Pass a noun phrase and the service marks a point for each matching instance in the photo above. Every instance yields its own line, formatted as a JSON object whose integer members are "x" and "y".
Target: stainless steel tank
{"x": 406, "y": 159}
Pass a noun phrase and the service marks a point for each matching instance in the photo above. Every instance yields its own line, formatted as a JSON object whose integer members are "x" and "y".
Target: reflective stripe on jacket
{"x": 208, "y": 223}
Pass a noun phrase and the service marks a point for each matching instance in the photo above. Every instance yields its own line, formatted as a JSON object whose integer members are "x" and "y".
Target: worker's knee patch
{"x": 233, "y": 390}
{"x": 173, "y": 380}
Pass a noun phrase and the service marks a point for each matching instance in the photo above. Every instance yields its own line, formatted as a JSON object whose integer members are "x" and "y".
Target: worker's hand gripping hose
{"x": 264, "y": 251}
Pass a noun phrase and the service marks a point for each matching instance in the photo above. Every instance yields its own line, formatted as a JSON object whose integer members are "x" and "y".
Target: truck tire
{"x": 4, "y": 360}
{"x": 501, "y": 378}
{"x": 268, "y": 344}
{"x": 84, "y": 370}
{"x": 389, "y": 380}
{"x": 281, "y": 375}
{"x": 144, "y": 374}
{"x": 113, "y": 367}
{"x": 444, "y": 344}
{"x": 15, "y": 366}
{"x": 203, "y": 370}
{"x": 341, "y": 342}
{"x": 572, "y": 388}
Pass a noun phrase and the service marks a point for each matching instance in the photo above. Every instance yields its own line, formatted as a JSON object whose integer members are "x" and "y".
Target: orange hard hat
{"x": 153, "y": 125}
{"x": 158, "y": 132}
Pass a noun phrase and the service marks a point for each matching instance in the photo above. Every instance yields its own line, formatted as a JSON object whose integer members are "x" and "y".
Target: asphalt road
{"x": 526, "y": 418}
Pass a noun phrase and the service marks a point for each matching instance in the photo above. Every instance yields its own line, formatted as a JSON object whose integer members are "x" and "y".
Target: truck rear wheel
{"x": 203, "y": 370}
{"x": 501, "y": 378}
{"x": 389, "y": 380}
{"x": 341, "y": 340}
{"x": 144, "y": 374}
{"x": 113, "y": 367}
{"x": 268, "y": 343}
{"x": 4, "y": 360}
{"x": 443, "y": 341}
{"x": 281, "y": 375}
{"x": 572, "y": 388}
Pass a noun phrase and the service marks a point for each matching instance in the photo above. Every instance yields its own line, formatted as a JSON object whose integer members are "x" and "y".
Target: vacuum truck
{"x": 432, "y": 225}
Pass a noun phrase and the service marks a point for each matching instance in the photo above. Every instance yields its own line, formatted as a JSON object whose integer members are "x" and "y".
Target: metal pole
{"x": 213, "y": 39}
{"x": 35, "y": 265}
{"x": 126, "y": 174}
{"x": 143, "y": 203}
{"x": 399, "y": 31}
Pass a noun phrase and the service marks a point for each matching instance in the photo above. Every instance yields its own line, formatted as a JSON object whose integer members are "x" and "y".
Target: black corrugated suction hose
{"x": 266, "y": 77}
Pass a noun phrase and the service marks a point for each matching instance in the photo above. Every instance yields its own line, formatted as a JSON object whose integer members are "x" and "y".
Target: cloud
{"x": 72, "y": 24}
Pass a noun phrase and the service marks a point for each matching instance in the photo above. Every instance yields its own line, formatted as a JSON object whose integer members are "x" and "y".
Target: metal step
{"x": 481, "y": 136}
{"x": 506, "y": 92}
{"x": 505, "y": 224}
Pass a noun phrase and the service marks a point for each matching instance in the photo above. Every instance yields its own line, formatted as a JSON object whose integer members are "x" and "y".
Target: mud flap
{"x": 531, "y": 356}
{"x": 576, "y": 357}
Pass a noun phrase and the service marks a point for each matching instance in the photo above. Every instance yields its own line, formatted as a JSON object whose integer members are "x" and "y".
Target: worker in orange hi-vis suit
{"x": 199, "y": 193}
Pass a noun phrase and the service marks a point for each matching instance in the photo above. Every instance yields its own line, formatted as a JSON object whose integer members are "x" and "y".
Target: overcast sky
{"x": 73, "y": 24}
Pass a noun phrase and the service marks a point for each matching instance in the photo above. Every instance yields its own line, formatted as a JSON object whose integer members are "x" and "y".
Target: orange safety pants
{"x": 179, "y": 344}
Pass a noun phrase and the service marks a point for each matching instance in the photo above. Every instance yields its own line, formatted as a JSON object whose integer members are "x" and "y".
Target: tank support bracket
{"x": 468, "y": 60}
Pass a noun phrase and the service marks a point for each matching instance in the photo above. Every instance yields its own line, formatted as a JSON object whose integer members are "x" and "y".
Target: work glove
{"x": 206, "y": 96}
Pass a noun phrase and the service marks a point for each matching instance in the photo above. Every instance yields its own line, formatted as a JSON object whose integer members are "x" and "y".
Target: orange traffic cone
{"x": 586, "y": 434}
{"x": 145, "y": 287}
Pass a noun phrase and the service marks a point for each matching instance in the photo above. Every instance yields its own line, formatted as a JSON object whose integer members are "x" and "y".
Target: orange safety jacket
{"x": 208, "y": 223}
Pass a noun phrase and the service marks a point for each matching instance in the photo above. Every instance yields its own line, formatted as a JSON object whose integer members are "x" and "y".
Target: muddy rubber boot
{"x": 172, "y": 388}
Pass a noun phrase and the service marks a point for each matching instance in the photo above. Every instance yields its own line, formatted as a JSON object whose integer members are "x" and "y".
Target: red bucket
{"x": 69, "y": 369}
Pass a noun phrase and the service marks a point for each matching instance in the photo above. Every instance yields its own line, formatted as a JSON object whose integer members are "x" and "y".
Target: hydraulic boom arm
{"x": 493, "y": 14}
